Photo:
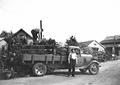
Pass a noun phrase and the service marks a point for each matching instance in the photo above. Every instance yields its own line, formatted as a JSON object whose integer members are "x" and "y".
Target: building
{"x": 3, "y": 43}
{"x": 96, "y": 46}
{"x": 112, "y": 44}
{"x": 22, "y": 34}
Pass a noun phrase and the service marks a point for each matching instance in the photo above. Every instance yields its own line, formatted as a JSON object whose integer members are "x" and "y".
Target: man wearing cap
{"x": 72, "y": 62}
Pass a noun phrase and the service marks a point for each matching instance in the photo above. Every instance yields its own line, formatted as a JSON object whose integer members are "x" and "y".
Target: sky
{"x": 84, "y": 19}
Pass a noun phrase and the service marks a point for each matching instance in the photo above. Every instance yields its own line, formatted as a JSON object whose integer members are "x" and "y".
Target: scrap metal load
{"x": 43, "y": 49}
{"x": 38, "y": 49}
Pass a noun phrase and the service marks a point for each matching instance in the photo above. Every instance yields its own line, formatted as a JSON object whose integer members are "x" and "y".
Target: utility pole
{"x": 40, "y": 31}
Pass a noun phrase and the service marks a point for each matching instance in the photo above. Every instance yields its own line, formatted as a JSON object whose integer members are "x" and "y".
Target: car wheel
{"x": 39, "y": 69}
{"x": 83, "y": 70}
{"x": 93, "y": 69}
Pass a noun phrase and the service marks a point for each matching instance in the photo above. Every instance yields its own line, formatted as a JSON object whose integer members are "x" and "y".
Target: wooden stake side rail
{"x": 37, "y": 51}
{"x": 44, "y": 58}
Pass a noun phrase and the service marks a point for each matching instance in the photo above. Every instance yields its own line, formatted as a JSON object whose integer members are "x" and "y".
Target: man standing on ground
{"x": 72, "y": 62}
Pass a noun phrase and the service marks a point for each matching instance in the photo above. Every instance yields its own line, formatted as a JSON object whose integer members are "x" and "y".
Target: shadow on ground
{"x": 66, "y": 73}
{"x": 61, "y": 73}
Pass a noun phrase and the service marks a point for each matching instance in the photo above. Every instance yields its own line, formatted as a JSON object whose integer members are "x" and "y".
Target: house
{"x": 112, "y": 44}
{"x": 96, "y": 46}
{"x": 22, "y": 34}
{"x": 2, "y": 43}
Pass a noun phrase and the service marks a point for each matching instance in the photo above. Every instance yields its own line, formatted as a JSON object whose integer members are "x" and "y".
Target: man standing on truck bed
{"x": 72, "y": 62}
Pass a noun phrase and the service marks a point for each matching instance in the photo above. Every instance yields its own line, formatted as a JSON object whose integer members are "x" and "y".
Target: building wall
{"x": 22, "y": 34}
{"x": 2, "y": 43}
{"x": 94, "y": 44}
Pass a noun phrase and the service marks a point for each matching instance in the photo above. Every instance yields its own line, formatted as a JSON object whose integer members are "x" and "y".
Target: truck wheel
{"x": 8, "y": 75}
{"x": 93, "y": 69}
{"x": 39, "y": 69}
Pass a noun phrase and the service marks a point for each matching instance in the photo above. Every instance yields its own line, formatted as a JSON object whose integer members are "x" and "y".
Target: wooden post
{"x": 40, "y": 32}
{"x": 53, "y": 59}
{"x": 60, "y": 59}
{"x": 46, "y": 61}
{"x": 41, "y": 28}
{"x": 32, "y": 57}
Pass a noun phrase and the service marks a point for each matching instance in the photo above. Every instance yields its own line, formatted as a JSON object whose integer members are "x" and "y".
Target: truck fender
{"x": 94, "y": 61}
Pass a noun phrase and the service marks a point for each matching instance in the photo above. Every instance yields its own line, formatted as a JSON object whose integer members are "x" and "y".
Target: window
{"x": 95, "y": 49}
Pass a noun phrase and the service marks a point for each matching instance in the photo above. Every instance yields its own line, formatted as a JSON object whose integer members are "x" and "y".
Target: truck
{"x": 41, "y": 59}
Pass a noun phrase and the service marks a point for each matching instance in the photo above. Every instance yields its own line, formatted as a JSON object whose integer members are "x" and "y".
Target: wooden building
{"x": 96, "y": 46}
{"x": 21, "y": 34}
{"x": 112, "y": 44}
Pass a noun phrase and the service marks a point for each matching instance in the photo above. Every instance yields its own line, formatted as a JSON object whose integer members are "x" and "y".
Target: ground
{"x": 109, "y": 74}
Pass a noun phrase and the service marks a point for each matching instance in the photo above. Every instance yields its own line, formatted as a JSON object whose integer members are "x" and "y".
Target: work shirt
{"x": 72, "y": 56}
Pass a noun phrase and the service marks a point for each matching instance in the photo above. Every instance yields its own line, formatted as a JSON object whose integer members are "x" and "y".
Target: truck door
{"x": 80, "y": 59}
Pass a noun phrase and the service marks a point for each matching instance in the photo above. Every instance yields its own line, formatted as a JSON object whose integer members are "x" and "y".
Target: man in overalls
{"x": 72, "y": 62}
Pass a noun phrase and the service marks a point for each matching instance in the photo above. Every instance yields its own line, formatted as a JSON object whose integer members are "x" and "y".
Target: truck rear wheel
{"x": 39, "y": 69}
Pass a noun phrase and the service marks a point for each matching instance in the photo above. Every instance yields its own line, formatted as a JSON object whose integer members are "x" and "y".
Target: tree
{"x": 72, "y": 41}
{"x": 5, "y": 34}
{"x": 85, "y": 48}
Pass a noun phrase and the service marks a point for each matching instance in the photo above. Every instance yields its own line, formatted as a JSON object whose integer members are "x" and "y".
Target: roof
{"x": 87, "y": 42}
{"x": 74, "y": 47}
{"x": 90, "y": 41}
{"x": 111, "y": 40}
{"x": 19, "y": 32}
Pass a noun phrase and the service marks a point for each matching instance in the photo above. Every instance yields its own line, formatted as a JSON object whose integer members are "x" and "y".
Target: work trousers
{"x": 71, "y": 70}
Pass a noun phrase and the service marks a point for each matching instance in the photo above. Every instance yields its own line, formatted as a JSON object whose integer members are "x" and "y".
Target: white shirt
{"x": 73, "y": 55}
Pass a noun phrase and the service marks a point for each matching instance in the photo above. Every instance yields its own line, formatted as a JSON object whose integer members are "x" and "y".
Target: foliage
{"x": 5, "y": 34}
{"x": 50, "y": 41}
{"x": 72, "y": 41}
{"x": 85, "y": 48}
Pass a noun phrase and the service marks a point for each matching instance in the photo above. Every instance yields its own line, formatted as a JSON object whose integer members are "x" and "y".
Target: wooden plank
{"x": 46, "y": 61}
{"x": 32, "y": 57}
{"x": 53, "y": 59}
{"x": 23, "y": 59}
{"x": 60, "y": 59}
{"x": 27, "y": 57}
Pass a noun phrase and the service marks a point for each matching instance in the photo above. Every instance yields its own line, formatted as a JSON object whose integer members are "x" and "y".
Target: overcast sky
{"x": 85, "y": 19}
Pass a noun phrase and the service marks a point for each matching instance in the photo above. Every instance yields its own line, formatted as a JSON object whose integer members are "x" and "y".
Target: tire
{"x": 8, "y": 75}
{"x": 83, "y": 70}
{"x": 39, "y": 69}
{"x": 93, "y": 69}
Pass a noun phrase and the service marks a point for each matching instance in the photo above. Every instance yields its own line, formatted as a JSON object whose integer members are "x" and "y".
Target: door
{"x": 80, "y": 60}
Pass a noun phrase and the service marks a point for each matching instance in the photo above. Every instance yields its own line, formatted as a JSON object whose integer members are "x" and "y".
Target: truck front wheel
{"x": 39, "y": 69}
{"x": 93, "y": 68}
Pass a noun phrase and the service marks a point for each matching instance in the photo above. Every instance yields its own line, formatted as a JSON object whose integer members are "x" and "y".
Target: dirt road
{"x": 109, "y": 75}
